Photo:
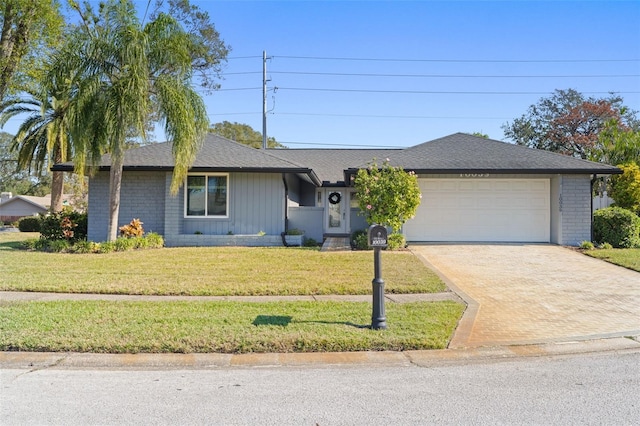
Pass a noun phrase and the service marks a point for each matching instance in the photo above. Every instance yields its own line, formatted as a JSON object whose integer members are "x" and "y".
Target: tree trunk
{"x": 115, "y": 182}
{"x": 57, "y": 188}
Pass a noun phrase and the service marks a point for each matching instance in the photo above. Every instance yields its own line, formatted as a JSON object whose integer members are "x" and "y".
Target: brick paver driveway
{"x": 532, "y": 293}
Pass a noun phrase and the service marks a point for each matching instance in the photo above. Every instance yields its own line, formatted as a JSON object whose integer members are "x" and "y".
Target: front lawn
{"x": 629, "y": 258}
{"x": 217, "y": 271}
{"x": 222, "y": 327}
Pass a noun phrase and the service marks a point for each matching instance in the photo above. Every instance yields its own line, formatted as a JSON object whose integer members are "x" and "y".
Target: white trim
{"x": 186, "y": 190}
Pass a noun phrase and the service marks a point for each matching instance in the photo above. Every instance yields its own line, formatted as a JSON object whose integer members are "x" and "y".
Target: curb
{"x": 34, "y": 361}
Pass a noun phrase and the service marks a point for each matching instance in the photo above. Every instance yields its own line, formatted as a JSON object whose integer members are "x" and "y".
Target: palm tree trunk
{"x": 115, "y": 182}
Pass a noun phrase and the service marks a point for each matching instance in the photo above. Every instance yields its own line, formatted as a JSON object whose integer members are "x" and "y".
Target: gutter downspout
{"x": 593, "y": 181}
{"x": 286, "y": 210}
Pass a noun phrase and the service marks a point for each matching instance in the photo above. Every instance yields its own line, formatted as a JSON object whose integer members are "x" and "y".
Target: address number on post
{"x": 377, "y": 236}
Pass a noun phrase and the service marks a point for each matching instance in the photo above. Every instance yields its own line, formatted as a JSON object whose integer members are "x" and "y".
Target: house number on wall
{"x": 474, "y": 175}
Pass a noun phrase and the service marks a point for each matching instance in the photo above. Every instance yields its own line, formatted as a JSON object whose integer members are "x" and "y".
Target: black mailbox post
{"x": 378, "y": 240}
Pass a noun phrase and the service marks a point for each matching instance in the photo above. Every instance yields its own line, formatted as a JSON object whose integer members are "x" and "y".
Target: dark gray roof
{"x": 216, "y": 154}
{"x": 464, "y": 153}
{"x": 330, "y": 164}
{"x": 457, "y": 153}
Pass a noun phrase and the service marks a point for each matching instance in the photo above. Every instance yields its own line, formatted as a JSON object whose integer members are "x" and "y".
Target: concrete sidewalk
{"x": 50, "y": 360}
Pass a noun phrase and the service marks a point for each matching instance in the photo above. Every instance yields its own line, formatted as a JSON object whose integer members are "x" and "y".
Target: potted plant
{"x": 294, "y": 237}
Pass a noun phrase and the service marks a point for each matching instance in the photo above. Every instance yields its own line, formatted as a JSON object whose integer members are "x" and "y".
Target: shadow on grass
{"x": 280, "y": 320}
{"x": 283, "y": 321}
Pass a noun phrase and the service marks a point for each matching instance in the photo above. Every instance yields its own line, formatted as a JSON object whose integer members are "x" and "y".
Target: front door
{"x": 336, "y": 211}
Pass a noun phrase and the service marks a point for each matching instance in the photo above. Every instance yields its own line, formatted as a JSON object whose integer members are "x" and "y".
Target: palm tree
{"x": 127, "y": 71}
{"x": 42, "y": 139}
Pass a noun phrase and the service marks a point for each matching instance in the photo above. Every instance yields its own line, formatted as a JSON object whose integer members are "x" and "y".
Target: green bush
{"x": 29, "y": 224}
{"x": 58, "y": 246}
{"x": 124, "y": 244}
{"x": 616, "y": 226}
{"x": 29, "y": 244}
{"x": 309, "y": 242}
{"x": 360, "y": 240}
{"x": 396, "y": 241}
{"x": 107, "y": 247}
{"x": 587, "y": 245}
{"x": 154, "y": 240}
{"x": 65, "y": 225}
{"x": 605, "y": 246}
{"x": 83, "y": 247}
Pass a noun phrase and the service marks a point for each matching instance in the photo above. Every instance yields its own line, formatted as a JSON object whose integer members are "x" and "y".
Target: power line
{"x": 459, "y": 60}
{"x": 434, "y": 92}
{"x": 445, "y": 75}
{"x": 341, "y": 144}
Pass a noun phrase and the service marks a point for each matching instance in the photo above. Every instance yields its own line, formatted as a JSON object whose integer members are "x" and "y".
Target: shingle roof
{"x": 330, "y": 164}
{"x": 462, "y": 152}
{"x": 216, "y": 154}
{"x": 457, "y": 153}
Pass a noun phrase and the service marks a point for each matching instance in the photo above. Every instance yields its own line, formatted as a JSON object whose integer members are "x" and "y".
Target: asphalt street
{"x": 595, "y": 388}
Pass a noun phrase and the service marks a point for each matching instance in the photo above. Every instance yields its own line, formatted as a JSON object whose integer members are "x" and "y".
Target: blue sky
{"x": 419, "y": 69}
{"x": 457, "y": 48}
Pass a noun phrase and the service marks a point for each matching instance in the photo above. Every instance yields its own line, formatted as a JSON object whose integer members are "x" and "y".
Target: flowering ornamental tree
{"x": 387, "y": 195}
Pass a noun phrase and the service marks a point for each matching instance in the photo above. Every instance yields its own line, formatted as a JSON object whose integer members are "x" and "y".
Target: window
{"x": 354, "y": 201}
{"x": 206, "y": 195}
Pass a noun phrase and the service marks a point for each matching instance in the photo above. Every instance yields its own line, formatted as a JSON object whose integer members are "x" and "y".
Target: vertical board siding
{"x": 256, "y": 204}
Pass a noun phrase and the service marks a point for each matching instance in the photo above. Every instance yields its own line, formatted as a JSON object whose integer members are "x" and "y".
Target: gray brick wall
{"x": 141, "y": 197}
{"x": 575, "y": 208}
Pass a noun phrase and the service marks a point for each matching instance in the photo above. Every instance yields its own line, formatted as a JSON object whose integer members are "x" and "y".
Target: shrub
{"x": 84, "y": 247}
{"x": 605, "y": 246}
{"x": 66, "y": 225}
{"x": 616, "y": 226}
{"x": 133, "y": 229}
{"x": 310, "y": 242}
{"x": 587, "y": 245}
{"x": 154, "y": 240}
{"x": 124, "y": 244}
{"x": 396, "y": 241}
{"x": 58, "y": 246}
{"x": 387, "y": 195}
{"x": 295, "y": 231}
{"x": 359, "y": 240}
{"x": 29, "y": 224}
{"x": 107, "y": 247}
{"x": 29, "y": 244}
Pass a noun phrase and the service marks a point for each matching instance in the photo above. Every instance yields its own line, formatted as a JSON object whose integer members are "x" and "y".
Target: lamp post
{"x": 378, "y": 240}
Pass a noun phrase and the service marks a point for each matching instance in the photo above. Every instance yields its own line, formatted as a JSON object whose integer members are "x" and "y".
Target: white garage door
{"x": 501, "y": 210}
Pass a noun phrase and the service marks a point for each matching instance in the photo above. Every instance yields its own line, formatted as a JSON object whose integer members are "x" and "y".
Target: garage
{"x": 482, "y": 209}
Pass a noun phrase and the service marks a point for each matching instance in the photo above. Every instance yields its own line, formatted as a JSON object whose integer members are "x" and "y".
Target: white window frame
{"x": 206, "y": 192}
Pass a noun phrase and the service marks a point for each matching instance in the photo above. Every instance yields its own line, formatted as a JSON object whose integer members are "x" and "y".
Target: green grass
{"x": 209, "y": 271}
{"x": 629, "y": 258}
{"x": 221, "y": 327}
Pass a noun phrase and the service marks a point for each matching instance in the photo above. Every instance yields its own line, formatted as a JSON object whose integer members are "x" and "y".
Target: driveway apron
{"x": 535, "y": 293}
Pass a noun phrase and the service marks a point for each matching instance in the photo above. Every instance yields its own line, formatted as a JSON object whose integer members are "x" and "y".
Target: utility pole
{"x": 264, "y": 99}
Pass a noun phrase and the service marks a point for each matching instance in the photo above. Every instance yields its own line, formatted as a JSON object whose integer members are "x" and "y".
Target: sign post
{"x": 378, "y": 240}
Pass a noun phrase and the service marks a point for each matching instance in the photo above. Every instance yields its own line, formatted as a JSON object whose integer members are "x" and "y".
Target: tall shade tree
{"x": 244, "y": 134}
{"x": 568, "y": 123}
{"x": 617, "y": 144}
{"x": 127, "y": 71}
{"x": 42, "y": 139}
{"x": 27, "y": 28}
{"x": 15, "y": 180}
